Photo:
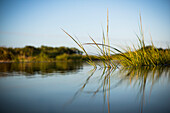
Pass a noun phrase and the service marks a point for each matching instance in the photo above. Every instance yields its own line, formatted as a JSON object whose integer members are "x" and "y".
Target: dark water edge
{"x": 32, "y": 68}
{"x": 65, "y": 87}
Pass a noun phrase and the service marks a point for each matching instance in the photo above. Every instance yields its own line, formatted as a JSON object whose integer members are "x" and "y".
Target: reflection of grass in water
{"x": 141, "y": 55}
{"x": 111, "y": 78}
{"x": 105, "y": 85}
{"x": 139, "y": 76}
{"x": 142, "y": 76}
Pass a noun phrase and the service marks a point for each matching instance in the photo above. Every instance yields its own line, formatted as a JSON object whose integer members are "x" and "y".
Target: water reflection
{"x": 144, "y": 76}
{"x": 44, "y": 68}
{"x": 115, "y": 90}
{"x": 109, "y": 78}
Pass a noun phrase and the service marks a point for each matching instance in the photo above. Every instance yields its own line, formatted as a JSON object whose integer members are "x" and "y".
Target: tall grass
{"x": 145, "y": 55}
{"x": 141, "y": 55}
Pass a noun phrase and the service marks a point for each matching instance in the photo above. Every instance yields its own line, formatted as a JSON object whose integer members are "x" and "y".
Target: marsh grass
{"x": 141, "y": 55}
{"x": 144, "y": 55}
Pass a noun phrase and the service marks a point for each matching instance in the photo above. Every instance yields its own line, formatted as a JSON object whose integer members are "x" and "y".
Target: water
{"x": 78, "y": 88}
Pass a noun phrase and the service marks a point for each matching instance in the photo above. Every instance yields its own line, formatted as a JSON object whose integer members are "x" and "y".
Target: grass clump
{"x": 144, "y": 55}
{"x": 141, "y": 55}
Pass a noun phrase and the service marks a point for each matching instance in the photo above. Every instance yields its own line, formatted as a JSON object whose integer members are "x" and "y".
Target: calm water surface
{"x": 78, "y": 88}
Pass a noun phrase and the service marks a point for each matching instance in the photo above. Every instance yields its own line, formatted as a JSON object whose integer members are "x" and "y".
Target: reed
{"x": 141, "y": 55}
{"x": 145, "y": 55}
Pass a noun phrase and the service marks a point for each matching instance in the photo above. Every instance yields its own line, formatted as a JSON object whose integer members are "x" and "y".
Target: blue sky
{"x": 38, "y": 22}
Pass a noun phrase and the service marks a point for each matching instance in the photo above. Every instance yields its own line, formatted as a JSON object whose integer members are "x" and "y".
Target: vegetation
{"x": 43, "y": 53}
{"x": 141, "y": 55}
{"x": 146, "y": 56}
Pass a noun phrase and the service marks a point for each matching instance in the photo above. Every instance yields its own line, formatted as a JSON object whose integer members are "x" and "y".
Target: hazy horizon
{"x": 37, "y": 23}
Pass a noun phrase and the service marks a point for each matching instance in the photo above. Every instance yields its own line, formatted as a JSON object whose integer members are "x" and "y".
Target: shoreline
{"x": 38, "y": 61}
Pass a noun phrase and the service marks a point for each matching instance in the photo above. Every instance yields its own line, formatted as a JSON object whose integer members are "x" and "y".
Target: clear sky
{"x": 38, "y": 22}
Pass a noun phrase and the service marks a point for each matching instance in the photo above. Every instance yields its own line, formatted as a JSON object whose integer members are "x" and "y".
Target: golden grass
{"x": 141, "y": 56}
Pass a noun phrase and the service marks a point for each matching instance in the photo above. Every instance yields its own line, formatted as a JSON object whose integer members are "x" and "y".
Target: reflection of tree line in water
{"x": 41, "y": 68}
{"x": 112, "y": 78}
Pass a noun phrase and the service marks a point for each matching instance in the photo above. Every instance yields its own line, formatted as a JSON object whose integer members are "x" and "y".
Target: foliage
{"x": 43, "y": 53}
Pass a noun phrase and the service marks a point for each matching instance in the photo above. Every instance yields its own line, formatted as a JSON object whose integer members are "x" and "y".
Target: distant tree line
{"x": 31, "y": 53}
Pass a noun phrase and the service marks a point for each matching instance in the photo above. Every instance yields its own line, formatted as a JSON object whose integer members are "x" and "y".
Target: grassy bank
{"x": 42, "y": 54}
{"x": 146, "y": 56}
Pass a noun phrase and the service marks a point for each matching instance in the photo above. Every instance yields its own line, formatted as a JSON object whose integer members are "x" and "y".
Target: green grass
{"x": 141, "y": 55}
